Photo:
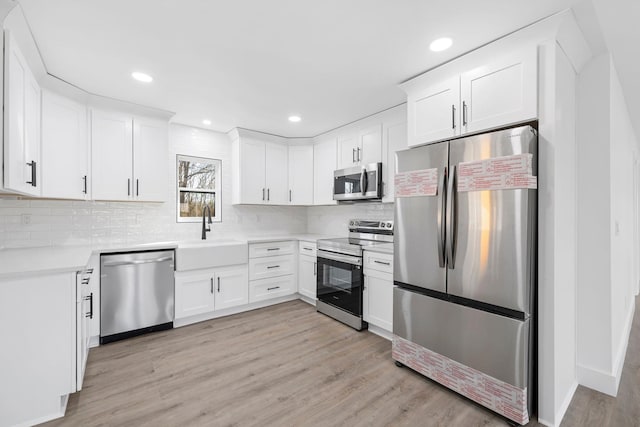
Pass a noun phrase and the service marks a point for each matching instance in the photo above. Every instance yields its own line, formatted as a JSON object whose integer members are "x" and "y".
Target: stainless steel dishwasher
{"x": 136, "y": 294}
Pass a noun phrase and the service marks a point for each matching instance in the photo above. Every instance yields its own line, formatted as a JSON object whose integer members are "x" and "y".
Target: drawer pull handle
{"x": 273, "y": 249}
{"x": 272, "y": 266}
{"x": 381, "y": 262}
{"x": 275, "y": 287}
{"x": 307, "y": 249}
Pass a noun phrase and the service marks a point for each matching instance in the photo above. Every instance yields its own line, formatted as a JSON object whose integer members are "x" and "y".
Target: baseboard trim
{"x": 235, "y": 310}
{"x": 380, "y": 332}
{"x": 603, "y": 381}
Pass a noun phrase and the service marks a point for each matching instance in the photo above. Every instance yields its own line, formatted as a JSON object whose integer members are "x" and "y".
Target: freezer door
{"x": 419, "y": 223}
{"x": 492, "y": 234}
{"x": 496, "y": 345}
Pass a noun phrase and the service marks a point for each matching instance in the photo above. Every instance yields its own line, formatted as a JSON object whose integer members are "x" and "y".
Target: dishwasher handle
{"x": 142, "y": 261}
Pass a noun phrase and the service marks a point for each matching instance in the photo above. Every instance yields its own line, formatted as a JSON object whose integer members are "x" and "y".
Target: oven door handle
{"x": 347, "y": 259}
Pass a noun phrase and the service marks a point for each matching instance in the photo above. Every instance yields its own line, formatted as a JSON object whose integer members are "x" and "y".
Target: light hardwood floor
{"x": 285, "y": 365}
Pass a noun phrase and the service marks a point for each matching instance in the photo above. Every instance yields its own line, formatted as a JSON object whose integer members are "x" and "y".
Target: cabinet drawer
{"x": 273, "y": 266}
{"x": 308, "y": 248}
{"x": 378, "y": 261}
{"x": 257, "y": 250}
{"x": 260, "y": 290}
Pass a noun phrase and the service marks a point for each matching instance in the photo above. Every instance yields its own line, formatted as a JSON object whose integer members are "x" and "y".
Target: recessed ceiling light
{"x": 441, "y": 44}
{"x": 142, "y": 77}
{"x": 294, "y": 119}
{"x": 206, "y": 122}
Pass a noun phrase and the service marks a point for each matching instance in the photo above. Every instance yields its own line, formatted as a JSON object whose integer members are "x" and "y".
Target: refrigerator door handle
{"x": 451, "y": 218}
{"x": 441, "y": 223}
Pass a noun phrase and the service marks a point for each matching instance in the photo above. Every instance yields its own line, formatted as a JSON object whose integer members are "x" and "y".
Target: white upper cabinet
{"x": 111, "y": 155}
{"x": 347, "y": 150}
{"x": 150, "y": 158}
{"x": 370, "y": 145}
{"x": 65, "y": 143}
{"x": 22, "y": 166}
{"x": 260, "y": 170}
{"x": 277, "y": 173}
{"x": 501, "y": 91}
{"x": 433, "y": 111}
{"x": 394, "y": 139}
{"x": 301, "y": 174}
{"x": 324, "y": 164}
{"x": 128, "y": 157}
{"x": 360, "y": 147}
{"x": 252, "y": 170}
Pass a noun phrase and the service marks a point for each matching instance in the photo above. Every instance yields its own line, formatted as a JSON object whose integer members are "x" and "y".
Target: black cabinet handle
{"x": 128, "y": 186}
{"x": 84, "y": 178}
{"x": 464, "y": 113}
{"x": 33, "y": 173}
{"x": 212, "y": 285}
{"x": 268, "y": 194}
{"x": 380, "y": 262}
{"x": 90, "y": 299}
{"x": 137, "y": 187}
{"x": 272, "y": 266}
{"x": 275, "y": 287}
{"x": 218, "y": 284}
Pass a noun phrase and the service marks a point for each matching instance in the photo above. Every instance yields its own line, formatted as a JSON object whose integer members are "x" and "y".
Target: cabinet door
{"x": 150, "y": 147}
{"x": 194, "y": 293}
{"x": 65, "y": 148}
{"x": 347, "y": 151}
{"x": 433, "y": 112}
{"x": 38, "y": 357}
{"x": 252, "y": 172}
{"x": 111, "y": 156}
{"x": 324, "y": 164}
{"x": 307, "y": 273}
{"x": 369, "y": 149}
{"x": 21, "y": 123}
{"x": 301, "y": 174}
{"x": 395, "y": 139}
{"x": 231, "y": 287}
{"x": 378, "y": 300}
{"x": 277, "y": 171}
{"x": 500, "y": 93}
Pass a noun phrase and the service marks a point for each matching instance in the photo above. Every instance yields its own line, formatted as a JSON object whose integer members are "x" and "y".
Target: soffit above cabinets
{"x": 252, "y": 64}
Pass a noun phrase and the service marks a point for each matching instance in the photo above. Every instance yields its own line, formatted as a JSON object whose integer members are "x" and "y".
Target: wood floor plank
{"x": 288, "y": 365}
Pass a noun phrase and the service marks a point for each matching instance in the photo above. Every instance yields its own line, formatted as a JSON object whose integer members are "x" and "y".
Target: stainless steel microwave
{"x": 358, "y": 183}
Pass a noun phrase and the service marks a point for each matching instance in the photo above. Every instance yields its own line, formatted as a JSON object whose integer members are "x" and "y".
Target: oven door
{"x": 340, "y": 281}
{"x": 358, "y": 183}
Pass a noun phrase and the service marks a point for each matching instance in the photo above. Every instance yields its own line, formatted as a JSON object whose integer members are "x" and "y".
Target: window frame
{"x": 217, "y": 190}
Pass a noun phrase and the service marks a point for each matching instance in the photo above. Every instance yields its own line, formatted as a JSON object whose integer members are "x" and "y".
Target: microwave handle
{"x": 363, "y": 181}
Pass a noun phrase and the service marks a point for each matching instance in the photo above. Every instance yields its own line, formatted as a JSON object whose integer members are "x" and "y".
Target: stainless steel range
{"x": 340, "y": 278}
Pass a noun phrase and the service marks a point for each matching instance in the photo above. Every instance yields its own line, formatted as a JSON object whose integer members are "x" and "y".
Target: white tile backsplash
{"x": 60, "y": 222}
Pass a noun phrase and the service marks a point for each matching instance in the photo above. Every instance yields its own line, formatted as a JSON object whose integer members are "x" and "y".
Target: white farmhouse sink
{"x": 198, "y": 254}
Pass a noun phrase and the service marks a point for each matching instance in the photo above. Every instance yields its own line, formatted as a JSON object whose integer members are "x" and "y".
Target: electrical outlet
{"x": 25, "y": 219}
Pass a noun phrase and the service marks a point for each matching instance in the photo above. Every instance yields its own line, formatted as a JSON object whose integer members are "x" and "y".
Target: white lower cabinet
{"x": 377, "y": 296}
{"x": 231, "y": 287}
{"x": 307, "y": 270}
{"x": 273, "y": 287}
{"x": 203, "y": 291}
{"x": 272, "y": 271}
{"x": 38, "y": 357}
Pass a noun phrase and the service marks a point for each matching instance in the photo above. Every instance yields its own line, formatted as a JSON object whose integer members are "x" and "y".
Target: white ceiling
{"x": 252, "y": 63}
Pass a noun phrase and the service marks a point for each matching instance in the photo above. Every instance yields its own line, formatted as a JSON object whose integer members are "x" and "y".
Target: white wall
{"x": 607, "y": 256}
{"x": 56, "y": 222}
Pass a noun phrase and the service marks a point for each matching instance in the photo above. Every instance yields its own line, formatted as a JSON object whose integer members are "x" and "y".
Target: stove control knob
{"x": 351, "y": 223}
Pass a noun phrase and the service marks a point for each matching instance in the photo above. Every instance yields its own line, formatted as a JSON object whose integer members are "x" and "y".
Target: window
{"x": 198, "y": 182}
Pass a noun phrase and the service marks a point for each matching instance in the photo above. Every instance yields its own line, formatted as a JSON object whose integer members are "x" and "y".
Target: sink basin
{"x": 199, "y": 254}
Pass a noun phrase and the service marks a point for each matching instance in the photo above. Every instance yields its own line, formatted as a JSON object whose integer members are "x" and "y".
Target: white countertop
{"x": 55, "y": 259}
{"x": 50, "y": 259}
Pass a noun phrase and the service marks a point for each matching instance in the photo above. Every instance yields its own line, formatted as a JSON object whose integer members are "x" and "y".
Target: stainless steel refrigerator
{"x": 465, "y": 266}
